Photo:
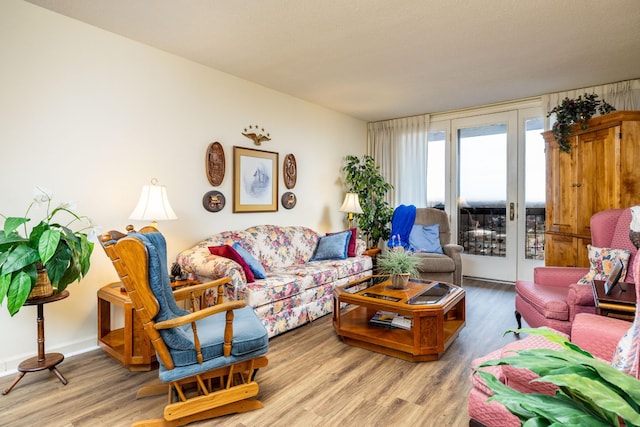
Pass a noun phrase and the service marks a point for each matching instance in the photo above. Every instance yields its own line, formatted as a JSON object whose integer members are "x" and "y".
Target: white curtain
{"x": 399, "y": 147}
{"x": 622, "y": 95}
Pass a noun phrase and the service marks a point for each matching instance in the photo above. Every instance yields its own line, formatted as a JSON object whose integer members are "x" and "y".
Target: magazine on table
{"x": 389, "y": 319}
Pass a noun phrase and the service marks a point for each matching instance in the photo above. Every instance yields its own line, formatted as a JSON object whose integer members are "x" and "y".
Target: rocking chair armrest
{"x": 185, "y": 292}
{"x": 200, "y": 314}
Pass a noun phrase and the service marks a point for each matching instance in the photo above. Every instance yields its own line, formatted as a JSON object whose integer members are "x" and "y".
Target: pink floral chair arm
{"x": 580, "y": 300}
{"x": 558, "y": 276}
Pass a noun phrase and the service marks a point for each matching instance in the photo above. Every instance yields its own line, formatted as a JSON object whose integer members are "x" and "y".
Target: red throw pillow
{"x": 228, "y": 252}
{"x": 351, "y": 246}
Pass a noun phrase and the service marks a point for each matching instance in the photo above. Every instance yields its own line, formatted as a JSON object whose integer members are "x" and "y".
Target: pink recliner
{"x": 554, "y": 297}
{"x": 599, "y": 335}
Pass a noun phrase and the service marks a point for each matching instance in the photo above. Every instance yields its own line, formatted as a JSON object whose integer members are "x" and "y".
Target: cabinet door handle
{"x": 511, "y": 211}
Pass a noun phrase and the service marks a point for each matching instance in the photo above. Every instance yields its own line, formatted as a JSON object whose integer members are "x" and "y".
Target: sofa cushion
{"x": 601, "y": 262}
{"x": 435, "y": 263}
{"x": 311, "y": 274}
{"x": 228, "y": 252}
{"x": 277, "y": 246}
{"x": 351, "y": 248}
{"x": 425, "y": 238}
{"x": 256, "y": 268}
{"x": 332, "y": 247}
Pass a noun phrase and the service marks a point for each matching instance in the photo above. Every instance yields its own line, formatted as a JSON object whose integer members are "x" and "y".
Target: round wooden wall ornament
{"x": 290, "y": 171}
{"x": 288, "y": 200}
{"x": 213, "y": 201}
{"x": 215, "y": 164}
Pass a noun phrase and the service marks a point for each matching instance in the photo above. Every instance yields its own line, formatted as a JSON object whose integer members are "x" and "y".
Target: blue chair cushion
{"x": 250, "y": 337}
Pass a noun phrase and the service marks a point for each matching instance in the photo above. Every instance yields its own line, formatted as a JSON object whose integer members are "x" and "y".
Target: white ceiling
{"x": 381, "y": 59}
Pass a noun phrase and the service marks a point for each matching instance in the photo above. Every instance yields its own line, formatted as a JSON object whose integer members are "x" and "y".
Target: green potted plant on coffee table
{"x": 400, "y": 264}
{"x": 44, "y": 259}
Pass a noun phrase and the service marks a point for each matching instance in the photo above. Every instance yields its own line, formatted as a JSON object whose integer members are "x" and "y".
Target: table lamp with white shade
{"x": 153, "y": 205}
{"x": 351, "y": 205}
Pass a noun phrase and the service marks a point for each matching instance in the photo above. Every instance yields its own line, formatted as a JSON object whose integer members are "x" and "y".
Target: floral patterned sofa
{"x": 295, "y": 291}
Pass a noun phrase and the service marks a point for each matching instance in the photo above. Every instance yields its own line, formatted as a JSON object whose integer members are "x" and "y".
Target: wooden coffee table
{"x": 433, "y": 328}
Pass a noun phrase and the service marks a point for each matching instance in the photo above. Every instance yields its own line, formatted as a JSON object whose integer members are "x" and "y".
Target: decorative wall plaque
{"x": 290, "y": 171}
{"x": 215, "y": 164}
{"x": 288, "y": 200}
{"x": 213, "y": 201}
{"x": 255, "y": 133}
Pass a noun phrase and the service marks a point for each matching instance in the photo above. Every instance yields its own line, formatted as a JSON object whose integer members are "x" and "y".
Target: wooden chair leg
{"x": 152, "y": 390}
{"x": 519, "y": 320}
{"x": 231, "y": 408}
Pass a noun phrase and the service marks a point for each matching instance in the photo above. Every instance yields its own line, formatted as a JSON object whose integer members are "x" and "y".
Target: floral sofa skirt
{"x": 295, "y": 290}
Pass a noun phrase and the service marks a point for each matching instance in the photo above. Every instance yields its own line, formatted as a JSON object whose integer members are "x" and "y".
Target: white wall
{"x": 94, "y": 116}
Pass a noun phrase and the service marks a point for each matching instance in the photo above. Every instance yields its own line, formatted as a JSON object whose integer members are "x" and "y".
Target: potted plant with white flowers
{"x": 43, "y": 259}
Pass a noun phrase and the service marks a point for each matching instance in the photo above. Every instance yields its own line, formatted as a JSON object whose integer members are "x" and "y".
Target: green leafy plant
{"x": 398, "y": 260}
{"x": 362, "y": 176}
{"x": 64, "y": 253}
{"x": 590, "y": 391}
{"x": 572, "y": 111}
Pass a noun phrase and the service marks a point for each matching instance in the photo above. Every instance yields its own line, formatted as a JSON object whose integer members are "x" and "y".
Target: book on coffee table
{"x": 388, "y": 319}
{"x": 401, "y": 322}
{"x": 382, "y": 318}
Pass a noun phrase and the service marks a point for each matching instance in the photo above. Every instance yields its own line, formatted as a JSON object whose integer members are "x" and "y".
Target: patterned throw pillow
{"x": 601, "y": 262}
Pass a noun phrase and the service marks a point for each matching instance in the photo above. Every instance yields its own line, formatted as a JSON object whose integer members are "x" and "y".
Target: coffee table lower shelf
{"x": 426, "y": 341}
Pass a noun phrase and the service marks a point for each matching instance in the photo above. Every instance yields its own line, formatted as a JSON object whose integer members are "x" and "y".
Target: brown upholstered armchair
{"x": 446, "y": 267}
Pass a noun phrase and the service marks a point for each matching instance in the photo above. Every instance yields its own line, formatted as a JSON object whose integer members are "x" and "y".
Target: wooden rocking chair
{"x": 208, "y": 358}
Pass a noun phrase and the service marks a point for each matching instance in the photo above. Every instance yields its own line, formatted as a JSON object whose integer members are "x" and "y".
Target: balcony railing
{"x": 482, "y": 231}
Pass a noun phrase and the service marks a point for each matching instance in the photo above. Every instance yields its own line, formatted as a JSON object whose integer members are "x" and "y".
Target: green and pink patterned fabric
{"x": 295, "y": 291}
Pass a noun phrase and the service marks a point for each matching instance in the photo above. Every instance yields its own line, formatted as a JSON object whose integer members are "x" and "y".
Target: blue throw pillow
{"x": 256, "y": 268}
{"x": 426, "y": 238}
{"x": 333, "y": 246}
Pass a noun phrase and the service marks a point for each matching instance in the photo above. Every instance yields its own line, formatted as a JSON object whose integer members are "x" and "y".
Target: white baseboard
{"x": 10, "y": 366}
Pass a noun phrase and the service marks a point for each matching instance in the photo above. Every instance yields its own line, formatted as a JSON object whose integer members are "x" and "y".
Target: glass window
{"x": 436, "y": 169}
{"x": 535, "y": 188}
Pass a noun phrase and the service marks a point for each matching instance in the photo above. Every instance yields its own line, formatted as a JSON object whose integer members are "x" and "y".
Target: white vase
{"x": 399, "y": 280}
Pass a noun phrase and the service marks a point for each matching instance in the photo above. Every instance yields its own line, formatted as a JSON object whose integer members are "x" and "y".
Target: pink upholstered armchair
{"x": 596, "y": 334}
{"x": 554, "y": 297}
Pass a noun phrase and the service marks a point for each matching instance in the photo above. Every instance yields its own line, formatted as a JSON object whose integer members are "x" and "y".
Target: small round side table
{"x": 43, "y": 360}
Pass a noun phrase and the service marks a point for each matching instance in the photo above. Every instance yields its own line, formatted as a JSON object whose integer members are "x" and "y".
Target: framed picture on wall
{"x": 255, "y": 180}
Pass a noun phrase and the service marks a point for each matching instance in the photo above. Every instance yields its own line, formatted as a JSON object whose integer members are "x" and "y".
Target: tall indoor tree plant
{"x": 48, "y": 252}
{"x": 362, "y": 176}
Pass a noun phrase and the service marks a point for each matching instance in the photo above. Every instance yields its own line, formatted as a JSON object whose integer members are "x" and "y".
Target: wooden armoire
{"x": 601, "y": 172}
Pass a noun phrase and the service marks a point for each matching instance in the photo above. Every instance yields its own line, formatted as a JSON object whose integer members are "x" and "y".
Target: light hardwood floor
{"x": 313, "y": 379}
